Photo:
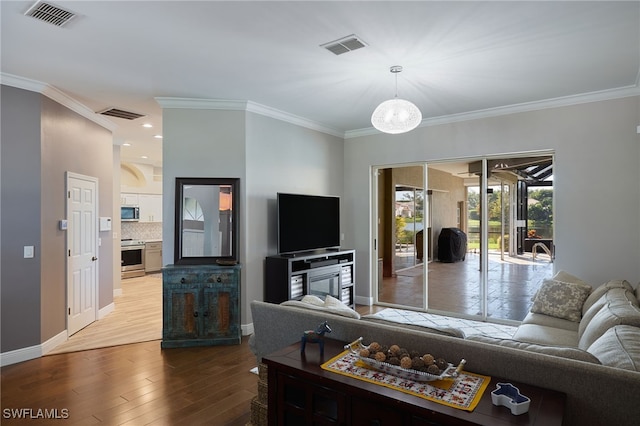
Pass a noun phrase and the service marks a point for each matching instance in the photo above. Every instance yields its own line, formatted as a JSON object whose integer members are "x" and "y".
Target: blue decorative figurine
{"x": 316, "y": 336}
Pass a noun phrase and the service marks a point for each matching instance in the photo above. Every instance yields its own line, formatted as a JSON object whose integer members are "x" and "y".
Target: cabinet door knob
{"x": 182, "y": 280}
{"x": 206, "y": 313}
{"x": 219, "y": 279}
{"x": 195, "y": 314}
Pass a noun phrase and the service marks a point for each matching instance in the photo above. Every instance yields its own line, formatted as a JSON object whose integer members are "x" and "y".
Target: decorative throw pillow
{"x": 312, "y": 300}
{"x": 561, "y": 300}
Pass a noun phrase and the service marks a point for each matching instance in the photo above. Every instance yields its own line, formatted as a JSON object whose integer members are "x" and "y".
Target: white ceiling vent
{"x": 49, "y": 13}
{"x": 344, "y": 45}
{"x": 120, "y": 113}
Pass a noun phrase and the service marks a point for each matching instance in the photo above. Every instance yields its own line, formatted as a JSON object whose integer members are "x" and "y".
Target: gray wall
{"x": 596, "y": 177}
{"x": 281, "y": 157}
{"x": 268, "y": 156}
{"x": 41, "y": 140}
{"x": 71, "y": 143}
{"x": 20, "y": 218}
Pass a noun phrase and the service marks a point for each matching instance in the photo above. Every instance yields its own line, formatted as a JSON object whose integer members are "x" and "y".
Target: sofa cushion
{"x": 598, "y": 292}
{"x": 572, "y": 353}
{"x": 544, "y": 335}
{"x": 613, "y": 296}
{"x": 607, "y": 317}
{"x": 546, "y": 320}
{"x": 330, "y": 305}
{"x": 568, "y": 278}
{"x": 618, "y": 347}
{"x": 561, "y": 299}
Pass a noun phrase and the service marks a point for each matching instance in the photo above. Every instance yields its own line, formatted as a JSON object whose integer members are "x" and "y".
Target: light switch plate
{"x": 28, "y": 252}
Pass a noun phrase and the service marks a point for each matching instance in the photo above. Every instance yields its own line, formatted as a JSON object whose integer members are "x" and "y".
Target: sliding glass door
{"x": 464, "y": 246}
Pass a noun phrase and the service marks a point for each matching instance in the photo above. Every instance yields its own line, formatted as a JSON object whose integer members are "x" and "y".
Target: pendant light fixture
{"x": 396, "y": 115}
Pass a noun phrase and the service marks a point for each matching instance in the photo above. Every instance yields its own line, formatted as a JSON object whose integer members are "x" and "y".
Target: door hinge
{"x": 68, "y": 194}
{"x": 69, "y": 311}
{"x": 69, "y": 253}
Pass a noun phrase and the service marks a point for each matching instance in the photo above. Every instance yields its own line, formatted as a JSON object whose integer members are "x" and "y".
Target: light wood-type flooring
{"x": 137, "y": 317}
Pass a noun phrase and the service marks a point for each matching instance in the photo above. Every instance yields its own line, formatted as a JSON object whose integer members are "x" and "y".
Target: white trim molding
{"x": 247, "y": 106}
{"x": 32, "y": 352}
{"x": 247, "y": 329}
{"x": 58, "y": 96}
{"x": 103, "y": 312}
{"x": 603, "y": 95}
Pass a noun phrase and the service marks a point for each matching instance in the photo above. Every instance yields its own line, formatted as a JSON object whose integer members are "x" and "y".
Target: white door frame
{"x": 69, "y": 176}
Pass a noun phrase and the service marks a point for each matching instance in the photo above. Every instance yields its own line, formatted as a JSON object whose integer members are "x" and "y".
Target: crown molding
{"x": 603, "y": 95}
{"x": 56, "y": 95}
{"x": 248, "y": 106}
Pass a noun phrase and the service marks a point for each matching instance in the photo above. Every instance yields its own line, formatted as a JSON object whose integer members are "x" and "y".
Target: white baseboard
{"x": 50, "y": 344}
{"x": 247, "y": 329}
{"x": 363, "y": 300}
{"x": 106, "y": 310}
{"x": 32, "y": 352}
{"x": 19, "y": 355}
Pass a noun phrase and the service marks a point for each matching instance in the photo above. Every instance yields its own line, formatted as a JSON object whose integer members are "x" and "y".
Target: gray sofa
{"x": 600, "y": 326}
{"x": 596, "y": 394}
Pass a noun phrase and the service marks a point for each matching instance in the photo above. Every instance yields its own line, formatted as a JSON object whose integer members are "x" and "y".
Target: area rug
{"x": 424, "y": 319}
{"x": 463, "y": 392}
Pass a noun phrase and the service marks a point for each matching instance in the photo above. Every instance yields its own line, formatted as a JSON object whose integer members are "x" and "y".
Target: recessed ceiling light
{"x": 143, "y": 156}
{"x": 147, "y": 125}
{"x": 126, "y": 144}
{"x": 158, "y": 136}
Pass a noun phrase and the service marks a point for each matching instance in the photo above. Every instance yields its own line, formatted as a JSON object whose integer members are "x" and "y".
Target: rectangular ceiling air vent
{"x": 344, "y": 45}
{"x": 49, "y": 13}
{"x": 119, "y": 113}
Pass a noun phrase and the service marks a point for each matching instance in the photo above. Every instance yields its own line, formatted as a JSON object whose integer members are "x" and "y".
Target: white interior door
{"x": 82, "y": 265}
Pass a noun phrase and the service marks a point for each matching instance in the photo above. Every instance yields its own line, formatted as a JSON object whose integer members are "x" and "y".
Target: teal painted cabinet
{"x": 201, "y": 305}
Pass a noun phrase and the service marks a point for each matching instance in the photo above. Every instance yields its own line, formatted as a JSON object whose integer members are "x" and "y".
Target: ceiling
{"x": 458, "y": 57}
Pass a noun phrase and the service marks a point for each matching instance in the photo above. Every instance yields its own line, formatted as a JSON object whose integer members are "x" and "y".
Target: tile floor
{"x": 455, "y": 287}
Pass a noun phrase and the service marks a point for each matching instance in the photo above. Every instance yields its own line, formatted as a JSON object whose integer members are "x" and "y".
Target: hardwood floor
{"x": 141, "y": 384}
{"x": 136, "y": 384}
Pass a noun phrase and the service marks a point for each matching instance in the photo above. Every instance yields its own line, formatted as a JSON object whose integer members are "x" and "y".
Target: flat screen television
{"x": 307, "y": 222}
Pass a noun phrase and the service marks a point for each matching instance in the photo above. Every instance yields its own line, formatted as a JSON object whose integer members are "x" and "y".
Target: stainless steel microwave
{"x": 129, "y": 213}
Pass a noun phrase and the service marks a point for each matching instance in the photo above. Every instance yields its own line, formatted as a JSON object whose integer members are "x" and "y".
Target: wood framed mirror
{"x": 207, "y": 218}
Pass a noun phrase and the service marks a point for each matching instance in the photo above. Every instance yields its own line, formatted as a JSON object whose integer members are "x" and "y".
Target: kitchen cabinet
{"x": 128, "y": 199}
{"x": 153, "y": 256}
{"x": 150, "y": 207}
{"x": 201, "y": 305}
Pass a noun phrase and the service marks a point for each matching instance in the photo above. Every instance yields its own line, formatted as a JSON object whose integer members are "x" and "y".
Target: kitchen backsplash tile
{"x": 145, "y": 231}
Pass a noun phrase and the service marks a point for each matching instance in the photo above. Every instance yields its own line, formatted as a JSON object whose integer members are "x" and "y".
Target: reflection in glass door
{"x": 504, "y": 209}
{"x": 409, "y": 228}
{"x": 400, "y": 245}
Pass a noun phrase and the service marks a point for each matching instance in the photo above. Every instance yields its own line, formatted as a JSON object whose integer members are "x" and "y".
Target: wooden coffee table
{"x": 300, "y": 392}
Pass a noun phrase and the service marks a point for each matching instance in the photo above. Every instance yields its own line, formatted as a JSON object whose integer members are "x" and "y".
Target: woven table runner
{"x": 463, "y": 392}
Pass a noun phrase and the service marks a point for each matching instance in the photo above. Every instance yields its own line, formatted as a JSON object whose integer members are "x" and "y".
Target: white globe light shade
{"x": 396, "y": 116}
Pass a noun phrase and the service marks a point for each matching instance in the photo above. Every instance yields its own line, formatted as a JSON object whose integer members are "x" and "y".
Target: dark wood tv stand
{"x": 300, "y": 392}
{"x": 292, "y": 276}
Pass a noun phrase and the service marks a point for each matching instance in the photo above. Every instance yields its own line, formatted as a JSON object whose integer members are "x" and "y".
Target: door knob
{"x": 94, "y": 258}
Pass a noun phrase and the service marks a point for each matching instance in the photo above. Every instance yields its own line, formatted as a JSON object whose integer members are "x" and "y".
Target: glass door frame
{"x": 484, "y": 166}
